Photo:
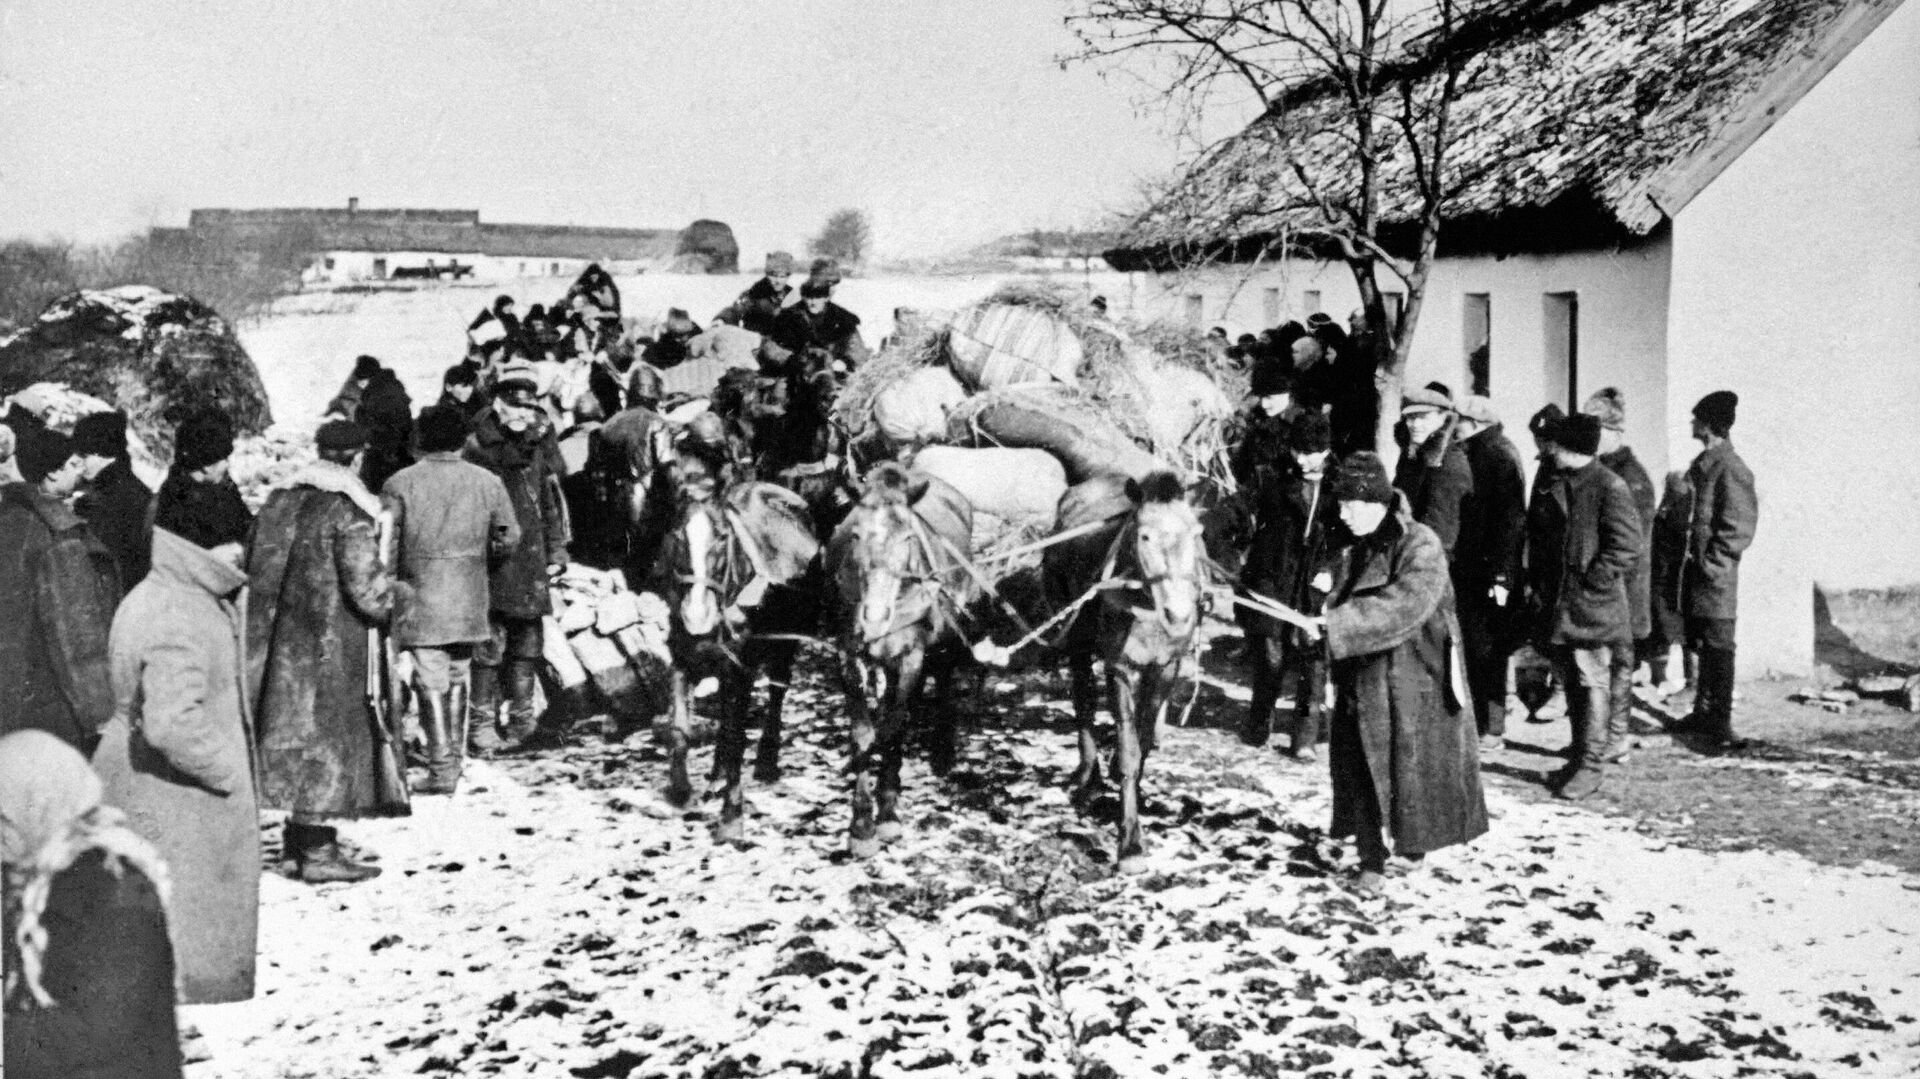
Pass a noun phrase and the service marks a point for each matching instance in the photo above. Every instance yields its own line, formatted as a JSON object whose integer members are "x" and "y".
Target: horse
{"x": 1141, "y": 581}
{"x": 740, "y": 569}
{"x": 895, "y": 564}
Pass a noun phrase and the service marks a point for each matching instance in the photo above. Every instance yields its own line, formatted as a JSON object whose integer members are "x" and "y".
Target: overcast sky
{"x": 949, "y": 122}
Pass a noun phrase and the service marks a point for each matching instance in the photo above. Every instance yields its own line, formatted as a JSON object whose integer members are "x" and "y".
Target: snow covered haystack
{"x": 154, "y": 354}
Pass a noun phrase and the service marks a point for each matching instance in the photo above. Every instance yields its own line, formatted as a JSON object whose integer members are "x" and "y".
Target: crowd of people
{"x": 176, "y": 664}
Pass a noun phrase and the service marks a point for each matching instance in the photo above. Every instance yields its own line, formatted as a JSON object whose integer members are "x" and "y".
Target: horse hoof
{"x": 863, "y": 848}
{"x": 889, "y": 831}
{"x": 729, "y": 831}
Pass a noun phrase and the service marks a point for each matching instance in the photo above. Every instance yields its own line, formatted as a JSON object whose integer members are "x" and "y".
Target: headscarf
{"x": 50, "y": 815}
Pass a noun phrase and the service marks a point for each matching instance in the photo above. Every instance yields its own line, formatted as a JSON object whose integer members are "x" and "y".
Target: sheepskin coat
{"x": 178, "y": 759}
{"x": 1392, "y": 637}
{"x": 318, "y": 586}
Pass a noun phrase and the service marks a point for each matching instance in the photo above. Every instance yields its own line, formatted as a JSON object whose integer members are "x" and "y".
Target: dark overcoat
{"x": 1726, "y": 510}
{"x": 387, "y": 413}
{"x": 109, "y": 968}
{"x": 1437, "y": 481}
{"x": 1624, "y": 464}
{"x": 118, "y": 508}
{"x": 318, "y": 586}
{"x": 1493, "y": 519}
{"x": 178, "y": 759}
{"x": 835, "y": 330}
{"x": 1293, "y": 522}
{"x": 1392, "y": 637}
{"x": 58, "y": 589}
{"x": 529, "y": 465}
{"x": 450, "y": 519}
{"x": 1583, "y": 539}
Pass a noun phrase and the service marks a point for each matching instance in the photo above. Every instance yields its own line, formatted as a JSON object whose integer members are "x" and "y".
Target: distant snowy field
{"x": 306, "y": 344}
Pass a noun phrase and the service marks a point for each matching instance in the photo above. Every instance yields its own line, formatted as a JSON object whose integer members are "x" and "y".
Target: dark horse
{"x": 741, "y": 570}
{"x": 1145, "y": 576}
{"x": 896, "y": 565}
{"x": 785, "y": 416}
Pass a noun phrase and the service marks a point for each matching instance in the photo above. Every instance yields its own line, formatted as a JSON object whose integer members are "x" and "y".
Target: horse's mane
{"x": 781, "y": 526}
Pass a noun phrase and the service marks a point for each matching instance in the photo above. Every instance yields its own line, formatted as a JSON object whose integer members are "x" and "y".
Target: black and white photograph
{"x": 1032, "y": 539}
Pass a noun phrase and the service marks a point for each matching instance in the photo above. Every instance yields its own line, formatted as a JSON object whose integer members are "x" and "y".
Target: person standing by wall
{"x": 1403, "y": 752}
{"x": 114, "y": 503}
{"x": 1486, "y": 566}
{"x": 1583, "y": 539}
{"x": 89, "y": 970}
{"x": 178, "y": 756}
{"x": 450, "y": 518}
{"x": 1609, "y": 406}
{"x": 1669, "y": 557}
{"x": 58, "y": 589}
{"x": 1726, "y": 512}
{"x": 318, "y": 586}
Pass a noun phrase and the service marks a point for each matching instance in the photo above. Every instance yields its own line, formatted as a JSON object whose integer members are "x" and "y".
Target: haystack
{"x": 153, "y": 354}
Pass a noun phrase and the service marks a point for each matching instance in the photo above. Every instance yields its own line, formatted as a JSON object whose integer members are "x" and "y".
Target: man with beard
{"x": 514, "y": 440}
{"x": 115, "y": 504}
{"x": 757, "y": 308}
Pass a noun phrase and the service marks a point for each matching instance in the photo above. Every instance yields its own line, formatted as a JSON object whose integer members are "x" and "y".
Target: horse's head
{"x": 705, "y": 570}
{"x": 887, "y": 549}
{"x": 1167, "y": 550}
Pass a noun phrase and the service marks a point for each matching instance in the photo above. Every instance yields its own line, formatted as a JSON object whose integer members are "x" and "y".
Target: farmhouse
{"x": 356, "y": 244}
{"x": 1714, "y": 194}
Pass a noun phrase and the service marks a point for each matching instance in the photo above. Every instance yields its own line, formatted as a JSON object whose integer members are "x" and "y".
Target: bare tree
{"x": 846, "y": 237}
{"x": 1376, "y": 81}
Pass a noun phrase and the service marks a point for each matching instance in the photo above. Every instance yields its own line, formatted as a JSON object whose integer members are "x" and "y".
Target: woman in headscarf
{"x": 89, "y": 970}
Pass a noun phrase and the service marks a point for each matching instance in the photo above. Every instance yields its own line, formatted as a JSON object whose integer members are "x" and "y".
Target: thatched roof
{"x": 1583, "y": 122}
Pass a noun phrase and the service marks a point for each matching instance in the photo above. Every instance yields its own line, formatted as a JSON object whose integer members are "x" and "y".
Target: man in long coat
{"x": 1583, "y": 538}
{"x": 1609, "y": 406}
{"x": 1434, "y": 472}
{"x": 177, "y": 757}
{"x": 513, "y": 440}
{"x": 318, "y": 587}
{"x": 1403, "y": 752}
{"x": 1726, "y": 512}
{"x": 58, "y": 589}
{"x": 450, "y": 519}
{"x": 115, "y": 504}
{"x": 1486, "y": 563}
{"x": 1293, "y": 521}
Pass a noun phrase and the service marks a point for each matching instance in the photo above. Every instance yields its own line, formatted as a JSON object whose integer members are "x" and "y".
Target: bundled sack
{"x": 1057, "y": 419}
{"x": 1013, "y": 485}
{"x": 612, "y": 638}
{"x": 913, "y": 410}
{"x": 997, "y": 345}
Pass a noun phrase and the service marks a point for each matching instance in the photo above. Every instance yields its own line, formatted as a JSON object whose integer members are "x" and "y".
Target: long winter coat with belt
{"x": 1392, "y": 636}
{"x": 58, "y": 587}
{"x": 1624, "y": 464}
{"x": 1437, "y": 481}
{"x": 529, "y": 464}
{"x": 1583, "y": 540}
{"x": 318, "y": 586}
{"x": 1726, "y": 511}
{"x": 1293, "y": 520}
{"x": 178, "y": 759}
{"x": 449, "y": 519}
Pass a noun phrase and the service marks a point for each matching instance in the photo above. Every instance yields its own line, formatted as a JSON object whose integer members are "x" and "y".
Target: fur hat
{"x": 779, "y": 262}
{"x": 816, "y": 288}
{"x": 1580, "y": 434}
{"x": 1311, "y": 433}
{"x": 1717, "y": 409}
{"x": 1545, "y": 424}
{"x": 205, "y": 514}
{"x": 42, "y": 453}
{"x": 202, "y": 439}
{"x": 341, "y": 436}
{"x": 1362, "y": 477}
{"x": 440, "y": 429}
{"x": 1425, "y": 400}
{"x": 1271, "y": 375}
{"x": 1609, "y": 405}
{"x": 365, "y": 367}
{"x": 101, "y": 434}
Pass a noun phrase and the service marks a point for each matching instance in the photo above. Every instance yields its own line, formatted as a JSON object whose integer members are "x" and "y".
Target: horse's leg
{"x": 679, "y": 735}
{"x": 900, "y": 708}
{"x": 860, "y": 838}
{"x": 766, "y": 761}
{"x": 737, "y": 690}
{"x": 946, "y": 731}
{"x": 1086, "y": 778}
{"x": 1133, "y": 704}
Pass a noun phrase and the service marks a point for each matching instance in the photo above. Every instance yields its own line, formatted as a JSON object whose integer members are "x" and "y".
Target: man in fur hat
{"x": 819, "y": 332}
{"x": 198, "y": 498}
{"x": 1726, "y": 512}
{"x": 319, "y": 584}
{"x": 1609, "y": 406}
{"x": 1263, "y": 426}
{"x": 114, "y": 503}
{"x": 1583, "y": 540}
{"x": 758, "y": 307}
{"x": 1434, "y": 472}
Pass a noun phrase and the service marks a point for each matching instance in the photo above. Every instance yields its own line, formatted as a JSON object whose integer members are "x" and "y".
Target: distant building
{"x": 1737, "y": 210}
{"x": 353, "y": 244}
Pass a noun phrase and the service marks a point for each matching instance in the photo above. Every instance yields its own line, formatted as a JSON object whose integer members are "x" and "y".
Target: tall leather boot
{"x": 1587, "y": 708}
{"x": 522, "y": 721}
{"x": 1257, "y": 724}
{"x": 1619, "y": 714}
{"x": 1716, "y": 688}
{"x": 436, "y": 724}
{"x": 483, "y": 713}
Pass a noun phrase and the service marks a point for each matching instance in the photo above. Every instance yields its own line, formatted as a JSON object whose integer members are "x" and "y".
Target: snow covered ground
{"x": 556, "y": 918}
